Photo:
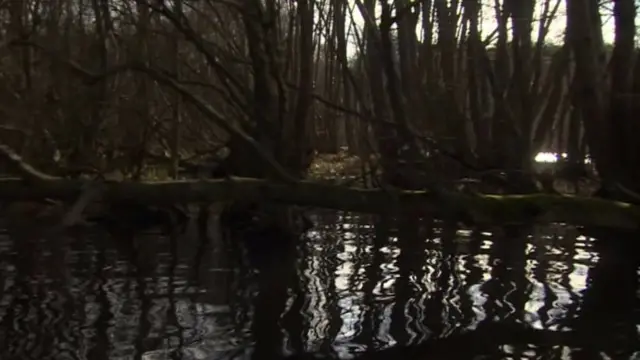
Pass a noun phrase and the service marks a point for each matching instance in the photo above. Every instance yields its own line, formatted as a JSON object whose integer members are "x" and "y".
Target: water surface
{"x": 356, "y": 284}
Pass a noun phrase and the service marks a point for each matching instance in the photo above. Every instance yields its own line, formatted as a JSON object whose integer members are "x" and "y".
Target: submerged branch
{"x": 470, "y": 344}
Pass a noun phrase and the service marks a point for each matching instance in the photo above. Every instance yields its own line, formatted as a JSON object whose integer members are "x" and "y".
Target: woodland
{"x": 414, "y": 110}
{"x": 436, "y": 107}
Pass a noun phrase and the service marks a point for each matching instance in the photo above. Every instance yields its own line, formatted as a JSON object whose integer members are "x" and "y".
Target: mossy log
{"x": 472, "y": 208}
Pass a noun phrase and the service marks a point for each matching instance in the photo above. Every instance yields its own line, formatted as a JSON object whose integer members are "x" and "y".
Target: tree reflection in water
{"x": 358, "y": 286}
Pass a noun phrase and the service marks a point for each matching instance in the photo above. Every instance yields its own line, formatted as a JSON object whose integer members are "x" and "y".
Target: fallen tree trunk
{"x": 472, "y": 208}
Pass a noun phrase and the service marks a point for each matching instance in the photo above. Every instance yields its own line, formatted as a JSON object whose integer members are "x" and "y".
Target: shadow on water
{"x": 358, "y": 287}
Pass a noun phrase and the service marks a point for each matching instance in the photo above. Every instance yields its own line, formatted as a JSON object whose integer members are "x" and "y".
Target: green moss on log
{"x": 480, "y": 209}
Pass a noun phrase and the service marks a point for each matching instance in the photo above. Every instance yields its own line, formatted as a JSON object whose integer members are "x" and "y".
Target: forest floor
{"x": 338, "y": 166}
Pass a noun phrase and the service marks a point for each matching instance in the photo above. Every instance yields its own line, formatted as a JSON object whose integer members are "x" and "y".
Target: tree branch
{"x": 90, "y": 78}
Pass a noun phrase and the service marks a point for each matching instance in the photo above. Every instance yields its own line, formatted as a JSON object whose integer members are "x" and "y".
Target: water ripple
{"x": 360, "y": 286}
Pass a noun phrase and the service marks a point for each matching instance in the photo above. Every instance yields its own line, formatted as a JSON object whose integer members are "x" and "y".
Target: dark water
{"x": 357, "y": 284}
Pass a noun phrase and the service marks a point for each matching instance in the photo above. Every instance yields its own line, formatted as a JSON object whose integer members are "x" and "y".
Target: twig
{"x": 25, "y": 170}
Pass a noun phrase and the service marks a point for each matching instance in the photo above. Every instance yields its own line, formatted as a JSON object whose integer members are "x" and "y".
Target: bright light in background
{"x": 547, "y": 157}
{"x": 488, "y": 24}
